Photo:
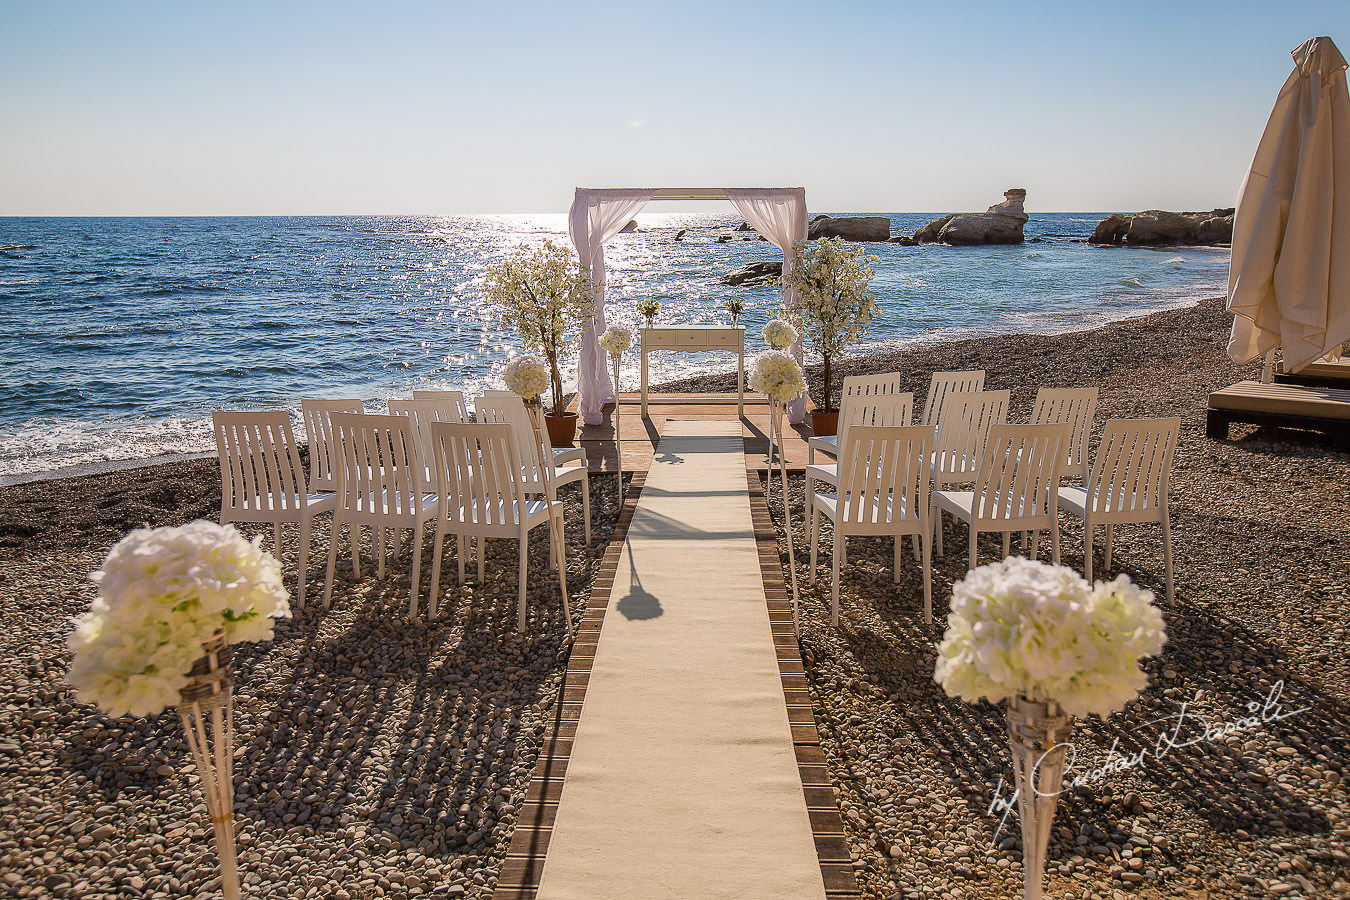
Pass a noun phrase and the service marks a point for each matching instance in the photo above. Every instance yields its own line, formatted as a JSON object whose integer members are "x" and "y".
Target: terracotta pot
{"x": 824, "y": 422}
{"x": 562, "y": 430}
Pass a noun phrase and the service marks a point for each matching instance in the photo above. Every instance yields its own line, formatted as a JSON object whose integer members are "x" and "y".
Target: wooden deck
{"x": 639, "y": 436}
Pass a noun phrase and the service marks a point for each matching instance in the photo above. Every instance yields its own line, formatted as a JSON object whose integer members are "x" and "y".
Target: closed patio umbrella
{"x": 1289, "y": 279}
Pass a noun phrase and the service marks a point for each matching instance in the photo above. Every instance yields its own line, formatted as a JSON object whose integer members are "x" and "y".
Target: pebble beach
{"x": 380, "y": 756}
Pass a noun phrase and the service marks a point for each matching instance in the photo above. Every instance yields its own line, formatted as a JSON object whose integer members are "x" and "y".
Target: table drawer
{"x": 655, "y": 339}
{"x": 722, "y": 340}
{"x": 693, "y": 338}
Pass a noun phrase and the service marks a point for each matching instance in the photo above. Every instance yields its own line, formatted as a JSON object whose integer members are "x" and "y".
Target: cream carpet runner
{"x": 682, "y": 781}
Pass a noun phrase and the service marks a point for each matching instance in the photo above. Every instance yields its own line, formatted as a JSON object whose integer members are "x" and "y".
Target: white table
{"x": 697, "y": 339}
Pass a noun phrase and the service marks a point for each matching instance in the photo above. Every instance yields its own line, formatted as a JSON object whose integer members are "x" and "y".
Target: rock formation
{"x": 1000, "y": 224}
{"x": 630, "y": 227}
{"x": 754, "y": 273}
{"x": 850, "y": 228}
{"x": 1155, "y": 227}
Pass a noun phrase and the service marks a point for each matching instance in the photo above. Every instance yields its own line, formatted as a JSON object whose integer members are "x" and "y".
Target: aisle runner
{"x": 682, "y": 780}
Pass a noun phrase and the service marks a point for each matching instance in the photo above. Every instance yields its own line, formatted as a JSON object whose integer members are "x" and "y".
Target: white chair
{"x": 962, "y": 426}
{"x": 454, "y": 397}
{"x": 560, "y": 454}
{"x": 482, "y": 494}
{"x": 423, "y": 412}
{"x": 855, "y": 407}
{"x": 322, "y": 448}
{"x": 1129, "y": 483}
{"x": 1075, "y": 406}
{"x": 883, "y": 480}
{"x": 1016, "y": 486}
{"x": 511, "y": 411}
{"x": 263, "y": 480}
{"x": 944, "y": 383}
{"x": 381, "y": 483}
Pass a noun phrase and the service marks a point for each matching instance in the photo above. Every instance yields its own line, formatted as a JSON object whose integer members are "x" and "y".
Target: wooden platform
{"x": 639, "y": 436}
{"x": 1281, "y": 406}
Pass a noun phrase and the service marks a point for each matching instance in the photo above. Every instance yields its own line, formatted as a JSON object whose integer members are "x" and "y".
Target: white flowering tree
{"x": 544, "y": 296}
{"x": 837, "y": 307}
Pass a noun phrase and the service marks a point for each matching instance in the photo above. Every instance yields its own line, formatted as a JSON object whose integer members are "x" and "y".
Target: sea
{"x": 119, "y": 336}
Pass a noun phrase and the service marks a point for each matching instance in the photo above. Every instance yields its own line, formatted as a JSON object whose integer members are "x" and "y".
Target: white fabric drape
{"x": 1289, "y": 279}
{"x": 780, "y": 215}
{"x": 595, "y": 217}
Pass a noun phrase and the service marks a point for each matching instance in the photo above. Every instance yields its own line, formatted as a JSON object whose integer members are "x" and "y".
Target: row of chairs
{"x": 423, "y": 460}
{"x": 898, "y": 479}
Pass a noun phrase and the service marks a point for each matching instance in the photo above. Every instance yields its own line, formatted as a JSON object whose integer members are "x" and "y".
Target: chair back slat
{"x": 423, "y": 413}
{"x": 884, "y": 475}
{"x": 963, "y": 426}
{"x": 509, "y": 409}
{"x": 380, "y": 474}
{"x": 871, "y": 385}
{"x": 1133, "y": 471}
{"x": 261, "y": 476}
{"x": 944, "y": 383}
{"x": 482, "y": 491}
{"x": 1018, "y": 475}
{"x": 323, "y": 449}
{"x": 1076, "y": 406}
{"x": 454, "y": 399}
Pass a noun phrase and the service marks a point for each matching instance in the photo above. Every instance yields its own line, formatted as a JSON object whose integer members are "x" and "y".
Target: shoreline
{"x": 723, "y": 378}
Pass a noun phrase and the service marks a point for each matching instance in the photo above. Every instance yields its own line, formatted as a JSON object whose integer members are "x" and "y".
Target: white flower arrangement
{"x": 616, "y": 340}
{"x": 779, "y": 334}
{"x": 1021, "y": 627}
{"x": 163, "y": 592}
{"x": 777, "y": 374}
{"x": 527, "y": 376}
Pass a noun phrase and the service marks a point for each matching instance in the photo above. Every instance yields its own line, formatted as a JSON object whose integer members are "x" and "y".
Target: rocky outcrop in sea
{"x": 1156, "y": 227}
{"x": 1000, "y": 224}
{"x": 754, "y": 273}
{"x": 850, "y": 228}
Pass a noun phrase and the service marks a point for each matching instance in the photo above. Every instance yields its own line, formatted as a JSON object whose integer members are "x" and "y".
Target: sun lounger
{"x": 1283, "y": 406}
{"x": 1319, "y": 374}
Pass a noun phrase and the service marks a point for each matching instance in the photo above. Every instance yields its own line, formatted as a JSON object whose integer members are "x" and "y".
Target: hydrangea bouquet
{"x": 527, "y": 376}
{"x": 1053, "y": 646}
{"x": 779, "y": 334}
{"x": 777, "y": 374}
{"x": 616, "y": 340}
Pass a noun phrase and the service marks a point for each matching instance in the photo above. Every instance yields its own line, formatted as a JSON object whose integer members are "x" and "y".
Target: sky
{"x": 442, "y": 108}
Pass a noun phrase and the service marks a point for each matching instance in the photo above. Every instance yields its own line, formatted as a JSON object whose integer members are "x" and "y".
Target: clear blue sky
{"x": 237, "y": 108}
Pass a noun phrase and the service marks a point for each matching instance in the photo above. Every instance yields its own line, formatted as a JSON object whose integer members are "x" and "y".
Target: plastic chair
{"x": 263, "y": 480}
{"x": 511, "y": 411}
{"x": 1075, "y": 406}
{"x": 962, "y": 427}
{"x": 883, "y": 478}
{"x": 454, "y": 397}
{"x": 322, "y": 447}
{"x": 560, "y": 454}
{"x": 856, "y": 408}
{"x": 1016, "y": 486}
{"x": 381, "y": 483}
{"x": 944, "y": 383}
{"x": 483, "y": 495}
{"x": 1129, "y": 483}
{"x": 423, "y": 412}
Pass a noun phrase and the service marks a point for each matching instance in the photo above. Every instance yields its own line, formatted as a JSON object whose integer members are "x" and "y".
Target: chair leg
{"x": 1054, "y": 542}
{"x": 1036, "y": 544}
{"x": 1110, "y": 540}
{"x": 1088, "y": 531}
{"x": 899, "y": 545}
{"x": 927, "y": 578}
{"x": 557, "y": 544}
{"x": 815, "y": 536}
{"x": 332, "y": 564}
{"x": 398, "y": 539}
{"x": 937, "y": 529}
{"x": 435, "y": 570}
{"x": 459, "y": 555}
{"x": 586, "y": 507}
{"x": 302, "y": 562}
{"x": 276, "y": 539}
{"x": 481, "y": 545}
{"x": 917, "y": 541}
{"x": 1007, "y": 543}
{"x": 380, "y": 538}
{"x": 354, "y": 536}
{"x": 834, "y": 592}
{"x": 524, "y": 562}
{"x": 417, "y": 567}
{"x": 974, "y": 552}
{"x": 1167, "y": 555}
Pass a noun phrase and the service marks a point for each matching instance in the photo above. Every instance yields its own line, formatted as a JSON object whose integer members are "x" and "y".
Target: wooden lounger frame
{"x": 1217, "y": 419}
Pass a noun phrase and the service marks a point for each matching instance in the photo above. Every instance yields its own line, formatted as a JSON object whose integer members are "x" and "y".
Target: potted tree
{"x": 836, "y": 309}
{"x": 545, "y": 297}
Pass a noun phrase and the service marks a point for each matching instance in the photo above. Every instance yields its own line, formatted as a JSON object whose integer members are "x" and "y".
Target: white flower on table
{"x": 779, "y": 334}
{"x": 163, "y": 593}
{"x": 527, "y": 376}
{"x": 1021, "y": 627}
{"x": 616, "y": 340}
{"x": 777, "y": 374}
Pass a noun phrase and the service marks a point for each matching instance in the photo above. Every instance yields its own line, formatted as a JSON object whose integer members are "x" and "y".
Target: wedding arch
{"x": 597, "y": 214}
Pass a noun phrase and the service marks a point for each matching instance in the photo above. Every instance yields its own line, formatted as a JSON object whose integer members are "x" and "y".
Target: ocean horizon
{"x": 122, "y": 334}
